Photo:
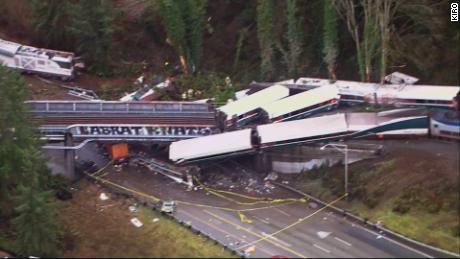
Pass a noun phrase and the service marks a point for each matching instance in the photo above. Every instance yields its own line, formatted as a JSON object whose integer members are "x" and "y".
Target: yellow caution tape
{"x": 244, "y": 218}
{"x": 156, "y": 199}
{"x": 295, "y": 223}
{"x": 103, "y": 168}
{"x": 259, "y": 199}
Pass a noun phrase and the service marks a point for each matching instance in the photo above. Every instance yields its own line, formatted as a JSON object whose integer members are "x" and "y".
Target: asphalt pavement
{"x": 290, "y": 229}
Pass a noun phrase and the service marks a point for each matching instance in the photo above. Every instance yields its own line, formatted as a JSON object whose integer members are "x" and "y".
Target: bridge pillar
{"x": 69, "y": 157}
{"x": 263, "y": 163}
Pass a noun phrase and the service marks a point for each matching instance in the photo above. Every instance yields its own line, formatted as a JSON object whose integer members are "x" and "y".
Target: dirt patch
{"x": 49, "y": 89}
{"x": 3, "y": 254}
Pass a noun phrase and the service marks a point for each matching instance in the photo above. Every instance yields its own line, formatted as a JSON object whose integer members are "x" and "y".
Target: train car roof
{"x": 8, "y": 48}
{"x": 298, "y": 129}
{"x": 254, "y": 101}
{"x": 301, "y": 100}
{"x": 428, "y": 92}
{"x": 356, "y": 88}
{"x": 310, "y": 81}
{"x": 212, "y": 145}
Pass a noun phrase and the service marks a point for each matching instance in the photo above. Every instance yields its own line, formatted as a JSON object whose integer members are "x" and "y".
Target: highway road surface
{"x": 288, "y": 229}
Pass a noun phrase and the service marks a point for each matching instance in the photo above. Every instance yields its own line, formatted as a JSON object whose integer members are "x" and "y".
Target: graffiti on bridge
{"x": 141, "y": 131}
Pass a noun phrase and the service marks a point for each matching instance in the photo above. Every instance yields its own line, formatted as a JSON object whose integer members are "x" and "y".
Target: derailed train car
{"x": 398, "y": 95}
{"x": 240, "y": 112}
{"x": 445, "y": 124}
{"x": 273, "y": 104}
{"x": 301, "y": 105}
{"x": 402, "y": 123}
{"x": 59, "y": 64}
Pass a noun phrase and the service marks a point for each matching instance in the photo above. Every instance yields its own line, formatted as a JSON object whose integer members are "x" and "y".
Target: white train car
{"x": 445, "y": 124}
{"x": 298, "y": 106}
{"x": 245, "y": 109}
{"x": 401, "y": 92}
{"x": 427, "y": 96}
{"x": 317, "y": 128}
{"x": 40, "y": 61}
{"x": 218, "y": 145}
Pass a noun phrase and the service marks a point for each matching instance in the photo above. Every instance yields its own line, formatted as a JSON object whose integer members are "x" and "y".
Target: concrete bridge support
{"x": 69, "y": 157}
{"x": 263, "y": 162}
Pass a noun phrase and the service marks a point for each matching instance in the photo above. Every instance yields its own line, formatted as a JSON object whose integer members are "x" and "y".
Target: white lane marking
{"x": 282, "y": 212}
{"x": 276, "y": 239}
{"x": 343, "y": 241}
{"x": 321, "y": 248}
{"x": 263, "y": 220}
{"x": 396, "y": 242}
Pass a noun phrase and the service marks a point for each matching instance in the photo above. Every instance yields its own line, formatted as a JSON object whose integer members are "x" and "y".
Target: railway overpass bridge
{"x": 76, "y": 123}
{"x": 103, "y": 120}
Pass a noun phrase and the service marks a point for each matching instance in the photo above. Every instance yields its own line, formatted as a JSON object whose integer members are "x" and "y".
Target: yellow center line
{"x": 294, "y": 224}
{"x": 221, "y": 230}
{"x": 255, "y": 234}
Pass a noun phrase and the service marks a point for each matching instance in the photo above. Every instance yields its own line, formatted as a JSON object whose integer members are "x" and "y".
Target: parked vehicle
{"x": 168, "y": 207}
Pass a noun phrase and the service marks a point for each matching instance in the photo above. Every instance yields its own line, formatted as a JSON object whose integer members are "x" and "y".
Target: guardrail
{"x": 115, "y": 107}
{"x": 155, "y": 206}
{"x": 424, "y": 248}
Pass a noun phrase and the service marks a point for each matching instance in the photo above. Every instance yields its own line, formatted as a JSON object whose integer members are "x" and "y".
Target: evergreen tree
{"x": 51, "y": 20}
{"x": 265, "y": 24}
{"x": 35, "y": 224}
{"x": 184, "y": 25}
{"x": 22, "y": 164}
{"x": 16, "y": 136}
{"x": 294, "y": 37}
{"x": 92, "y": 25}
{"x": 196, "y": 11}
{"x": 330, "y": 38}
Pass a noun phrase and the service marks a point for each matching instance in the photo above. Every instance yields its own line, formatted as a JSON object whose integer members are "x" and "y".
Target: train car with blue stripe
{"x": 445, "y": 124}
{"x": 302, "y": 105}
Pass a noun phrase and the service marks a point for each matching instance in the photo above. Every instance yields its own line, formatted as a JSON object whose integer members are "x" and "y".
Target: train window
{"x": 66, "y": 65}
{"x": 435, "y": 125}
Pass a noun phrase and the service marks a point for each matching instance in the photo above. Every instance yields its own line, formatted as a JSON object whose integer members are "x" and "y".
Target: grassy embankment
{"x": 103, "y": 229}
{"x": 410, "y": 192}
{"x": 95, "y": 228}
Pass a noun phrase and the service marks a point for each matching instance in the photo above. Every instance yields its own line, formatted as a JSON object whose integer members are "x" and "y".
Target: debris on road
{"x": 81, "y": 93}
{"x": 133, "y": 208}
{"x": 323, "y": 234}
{"x": 272, "y": 176}
{"x": 156, "y": 220}
{"x": 312, "y": 205}
{"x": 103, "y": 197}
{"x": 136, "y": 222}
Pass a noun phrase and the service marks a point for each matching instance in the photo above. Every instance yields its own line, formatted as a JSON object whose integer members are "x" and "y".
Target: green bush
{"x": 110, "y": 92}
{"x": 456, "y": 231}
{"x": 58, "y": 182}
{"x": 401, "y": 206}
{"x": 204, "y": 85}
{"x": 371, "y": 200}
